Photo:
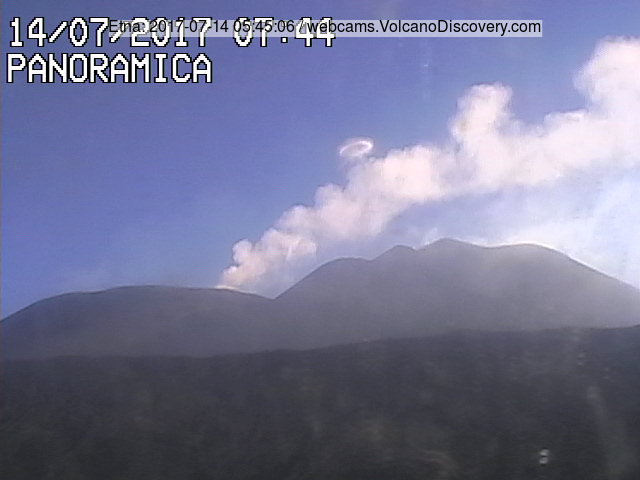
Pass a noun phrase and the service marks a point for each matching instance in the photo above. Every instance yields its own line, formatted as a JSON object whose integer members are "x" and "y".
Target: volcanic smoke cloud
{"x": 488, "y": 150}
{"x": 355, "y": 148}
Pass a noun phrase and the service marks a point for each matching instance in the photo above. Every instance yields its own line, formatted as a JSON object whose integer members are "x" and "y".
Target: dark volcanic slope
{"x": 142, "y": 321}
{"x": 451, "y": 284}
{"x": 403, "y": 293}
{"x": 466, "y": 406}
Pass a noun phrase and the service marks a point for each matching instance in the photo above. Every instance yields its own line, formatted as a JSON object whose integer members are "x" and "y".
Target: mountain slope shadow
{"x": 465, "y": 405}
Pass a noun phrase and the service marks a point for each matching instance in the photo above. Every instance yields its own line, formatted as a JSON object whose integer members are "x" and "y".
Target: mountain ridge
{"x": 403, "y": 292}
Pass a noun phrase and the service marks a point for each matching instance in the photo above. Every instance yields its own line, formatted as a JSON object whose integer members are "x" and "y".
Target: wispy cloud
{"x": 593, "y": 218}
{"x": 488, "y": 150}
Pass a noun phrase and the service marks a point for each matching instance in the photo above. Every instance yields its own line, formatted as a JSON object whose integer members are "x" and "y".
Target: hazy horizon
{"x": 277, "y": 294}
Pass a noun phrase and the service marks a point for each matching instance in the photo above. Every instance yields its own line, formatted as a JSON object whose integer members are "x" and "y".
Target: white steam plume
{"x": 488, "y": 150}
{"x": 356, "y": 148}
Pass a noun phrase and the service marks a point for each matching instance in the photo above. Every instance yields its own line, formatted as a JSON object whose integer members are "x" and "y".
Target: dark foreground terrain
{"x": 465, "y": 405}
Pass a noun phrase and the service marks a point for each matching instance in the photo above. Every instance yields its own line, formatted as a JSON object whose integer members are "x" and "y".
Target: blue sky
{"x": 106, "y": 185}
